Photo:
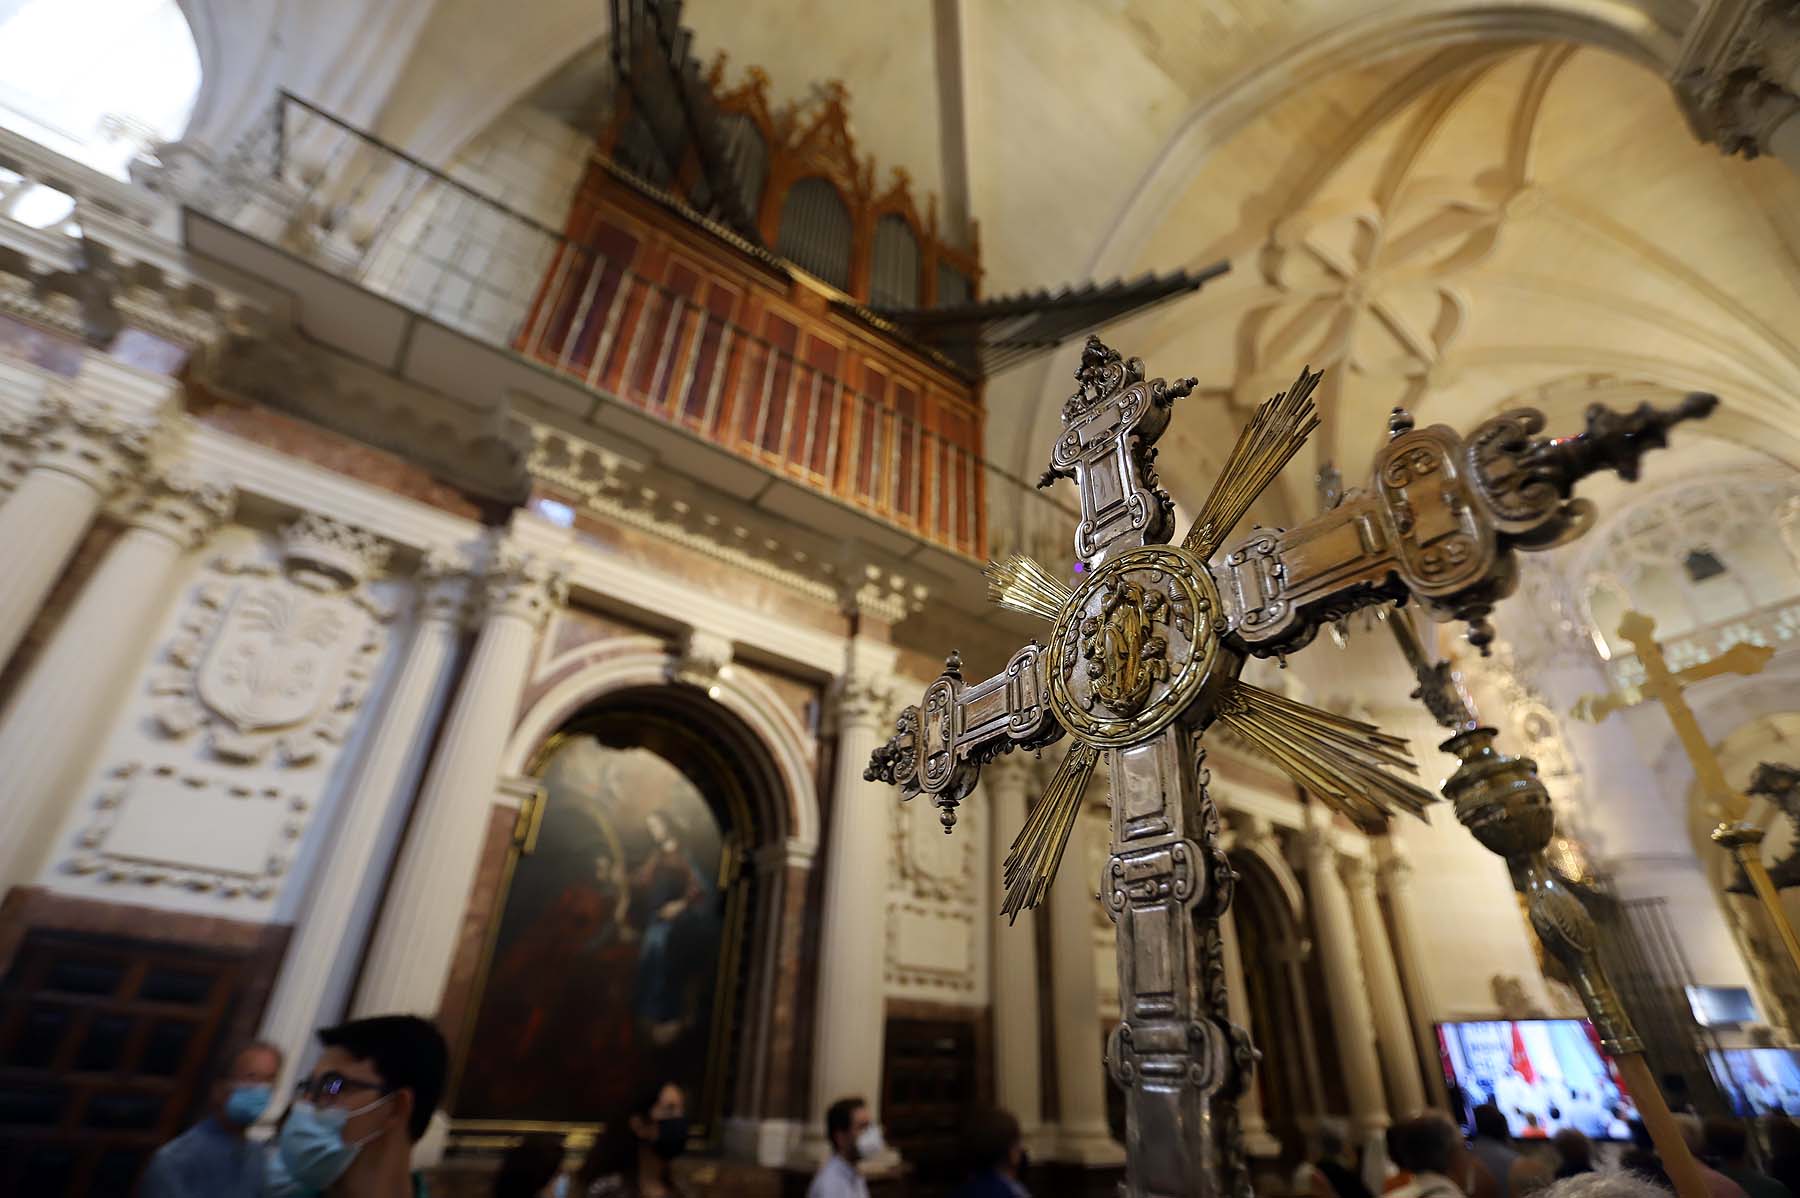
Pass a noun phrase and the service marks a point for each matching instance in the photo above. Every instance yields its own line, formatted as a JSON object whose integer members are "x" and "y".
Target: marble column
{"x": 851, "y": 1008}
{"x": 313, "y": 987}
{"x": 1257, "y": 1140}
{"x": 1393, "y": 1033}
{"x": 415, "y": 938}
{"x": 1395, "y": 874}
{"x": 1345, "y": 989}
{"x": 68, "y": 699}
{"x": 1083, "y": 1135}
{"x": 1013, "y": 960}
{"x": 82, "y": 453}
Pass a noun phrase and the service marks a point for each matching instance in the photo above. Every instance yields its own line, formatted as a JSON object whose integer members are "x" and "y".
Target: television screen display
{"x": 1543, "y": 1074}
{"x": 1721, "y": 1006}
{"x": 1759, "y": 1081}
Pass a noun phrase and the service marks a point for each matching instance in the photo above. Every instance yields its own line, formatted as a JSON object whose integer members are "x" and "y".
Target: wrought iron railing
{"x": 370, "y": 212}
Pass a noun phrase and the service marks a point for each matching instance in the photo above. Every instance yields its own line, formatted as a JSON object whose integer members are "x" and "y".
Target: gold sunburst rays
{"x": 1344, "y": 762}
{"x": 1037, "y": 853}
{"x": 1266, "y": 444}
{"x": 1022, "y": 585}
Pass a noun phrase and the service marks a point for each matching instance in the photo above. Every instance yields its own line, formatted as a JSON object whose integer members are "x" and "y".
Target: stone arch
{"x": 1268, "y": 913}
{"x": 644, "y": 662}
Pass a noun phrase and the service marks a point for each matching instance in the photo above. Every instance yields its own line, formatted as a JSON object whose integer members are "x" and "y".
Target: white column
{"x": 83, "y": 453}
{"x": 1393, "y": 1033}
{"x": 314, "y": 985}
{"x": 1257, "y": 1140}
{"x": 1409, "y": 955}
{"x": 1013, "y": 962}
{"x": 67, "y": 701}
{"x": 1351, "y": 1017}
{"x": 1083, "y": 1134}
{"x": 851, "y": 1009}
{"x": 415, "y": 938}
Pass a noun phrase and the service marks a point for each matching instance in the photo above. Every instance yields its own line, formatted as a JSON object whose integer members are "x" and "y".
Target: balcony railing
{"x": 369, "y": 212}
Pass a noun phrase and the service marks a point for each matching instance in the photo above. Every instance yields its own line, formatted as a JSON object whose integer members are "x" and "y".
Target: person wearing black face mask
{"x": 632, "y": 1156}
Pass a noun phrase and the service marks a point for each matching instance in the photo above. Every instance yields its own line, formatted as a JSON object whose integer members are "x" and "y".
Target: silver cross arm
{"x": 939, "y": 746}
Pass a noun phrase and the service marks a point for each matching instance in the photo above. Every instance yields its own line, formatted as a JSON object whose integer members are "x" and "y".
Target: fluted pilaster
{"x": 70, "y": 697}
{"x": 415, "y": 939}
{"x": 851, "y": 1013}
{"x": 1399, "y": 1061}
{"x": 314, "y": 985}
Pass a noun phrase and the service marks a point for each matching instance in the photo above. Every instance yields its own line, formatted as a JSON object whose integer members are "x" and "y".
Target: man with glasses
{"x": 212, "y": 1159}
{"x": 350, "y": 1131}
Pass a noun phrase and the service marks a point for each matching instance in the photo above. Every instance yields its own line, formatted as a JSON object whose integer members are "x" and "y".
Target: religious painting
{"x": 606, "y": 967}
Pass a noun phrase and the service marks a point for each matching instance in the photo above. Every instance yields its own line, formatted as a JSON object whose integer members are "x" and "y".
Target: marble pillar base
{"x": 1092, "y": 1148}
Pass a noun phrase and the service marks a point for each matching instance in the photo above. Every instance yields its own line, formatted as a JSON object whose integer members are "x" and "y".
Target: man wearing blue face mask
{"x": 212, "y": 1159}
{"x": 353, "y": 1124}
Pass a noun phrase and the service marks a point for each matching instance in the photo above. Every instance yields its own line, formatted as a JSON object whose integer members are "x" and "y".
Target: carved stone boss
{"x": 1145, "y": 654}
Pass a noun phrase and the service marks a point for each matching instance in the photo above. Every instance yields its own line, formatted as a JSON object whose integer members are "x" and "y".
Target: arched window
{"x": 815, "y": 231}
{"x": 101, "y": 81}
{"x": 894, "y": 265}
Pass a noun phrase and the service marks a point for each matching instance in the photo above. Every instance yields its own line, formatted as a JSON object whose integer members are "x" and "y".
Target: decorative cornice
{"x": 882, "y": 595}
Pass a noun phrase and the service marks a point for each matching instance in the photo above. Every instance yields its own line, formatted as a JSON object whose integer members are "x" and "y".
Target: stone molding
{"x": 343, "y": 553}
{"x": 1738, "y": 76}
{"x": 445, "y": 583}
{"x": 701, "y": 658}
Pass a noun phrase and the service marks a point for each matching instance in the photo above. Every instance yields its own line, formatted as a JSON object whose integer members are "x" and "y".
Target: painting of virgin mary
{"x": 605, "y": 967}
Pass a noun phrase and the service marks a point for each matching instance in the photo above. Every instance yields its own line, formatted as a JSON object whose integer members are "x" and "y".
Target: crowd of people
{"x": 351, "y": 1125}
{"x": 1428, "y": 1157}
{"x": 352, "y": 1122}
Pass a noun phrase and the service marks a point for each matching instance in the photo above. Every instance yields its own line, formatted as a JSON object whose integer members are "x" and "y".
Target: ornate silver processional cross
{"x": 1144, "y": 656}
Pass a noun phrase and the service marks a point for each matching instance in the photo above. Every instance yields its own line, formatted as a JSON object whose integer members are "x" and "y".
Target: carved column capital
{"x": 181, "y": 505}
{"x": 524, "y": 585}
{"x": 862, "y": 699}
{"x": 1358, "y": 873}
{"x": 445, "y": 582}
{"x": 86, "y": 441}
{"x": 1739, "y": 73}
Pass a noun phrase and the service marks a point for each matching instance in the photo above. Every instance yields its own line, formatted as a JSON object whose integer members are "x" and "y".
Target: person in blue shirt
{"x": 212, "y": 1159}
{"x": 997, "y": 1152}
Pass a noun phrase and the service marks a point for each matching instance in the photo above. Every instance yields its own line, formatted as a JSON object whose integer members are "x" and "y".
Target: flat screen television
{"x": 1759, "y": 1081}
{"x": 1721, "y": 1006}
{"x": 1543, "y": 1074}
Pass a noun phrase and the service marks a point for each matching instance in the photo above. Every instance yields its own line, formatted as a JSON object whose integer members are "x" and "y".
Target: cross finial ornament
{"x": 1668, "y": 687}
{"x": 1144, "y": 654}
